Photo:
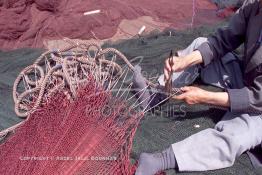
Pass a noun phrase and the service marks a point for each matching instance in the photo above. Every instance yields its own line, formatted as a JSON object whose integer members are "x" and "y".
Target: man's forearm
{"x": 216, "y": 98}
{"x": 194, "y": 58}
{"x": 213, "y": 98}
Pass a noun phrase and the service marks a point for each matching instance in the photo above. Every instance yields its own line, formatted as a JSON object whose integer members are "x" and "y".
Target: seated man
{"x": 240, "y": 129}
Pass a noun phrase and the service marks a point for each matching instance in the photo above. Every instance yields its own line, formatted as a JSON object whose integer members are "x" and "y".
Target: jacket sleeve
{"x": 229, "y": 38}
{"x": 247, "y": 99}
{"x": 255, "y": 95}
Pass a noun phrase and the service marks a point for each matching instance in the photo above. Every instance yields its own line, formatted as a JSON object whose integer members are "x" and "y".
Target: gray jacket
{"x": 244, "y": 27}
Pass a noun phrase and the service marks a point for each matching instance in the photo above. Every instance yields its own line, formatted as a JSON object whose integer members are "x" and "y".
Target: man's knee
{"x": 242, "y": 131}
{"x": 230, "y": 147}
{"x": 194, "y": 45}
{"x": 198, "y": 41}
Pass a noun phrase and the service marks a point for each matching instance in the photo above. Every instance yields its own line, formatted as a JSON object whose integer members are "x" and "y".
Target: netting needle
{"x": 169, "y": 81}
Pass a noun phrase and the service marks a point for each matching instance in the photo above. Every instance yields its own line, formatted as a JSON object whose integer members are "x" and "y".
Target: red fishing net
{"x": 26, "y": 23}
{"x": 90, "y": 135}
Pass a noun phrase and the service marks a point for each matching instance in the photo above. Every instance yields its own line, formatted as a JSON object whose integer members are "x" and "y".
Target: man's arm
{"x": 225, "y": 40}
{"x": 246, "y": 99}
{"x": 179, "y": 64}
{"x": 195, "y": 95}
{"x": 217, "y": 99}
{"x": 229, "y": 38}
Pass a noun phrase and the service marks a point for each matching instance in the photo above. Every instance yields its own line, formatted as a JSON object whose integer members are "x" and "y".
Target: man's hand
{"x": 195, "y": 95}
{"x": 177, "y": 64}
{"x": 192, "y": 95}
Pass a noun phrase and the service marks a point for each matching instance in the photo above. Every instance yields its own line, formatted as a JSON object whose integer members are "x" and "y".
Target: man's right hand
{"x": 177, "y": 64}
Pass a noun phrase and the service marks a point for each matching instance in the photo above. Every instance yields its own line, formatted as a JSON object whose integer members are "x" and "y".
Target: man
{"x": 240, "y": 129}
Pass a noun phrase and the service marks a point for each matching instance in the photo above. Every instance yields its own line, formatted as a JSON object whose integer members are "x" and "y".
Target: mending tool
{"x": 168, "y": 84}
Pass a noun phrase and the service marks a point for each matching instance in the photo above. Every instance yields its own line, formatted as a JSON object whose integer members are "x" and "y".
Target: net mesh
{"x": 75, "y": 137}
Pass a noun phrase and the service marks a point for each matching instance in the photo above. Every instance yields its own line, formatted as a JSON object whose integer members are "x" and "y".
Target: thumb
{"x": 186, "y": 88}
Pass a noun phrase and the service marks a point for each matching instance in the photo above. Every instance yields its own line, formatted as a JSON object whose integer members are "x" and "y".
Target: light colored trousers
{"x": 236, "y": 133}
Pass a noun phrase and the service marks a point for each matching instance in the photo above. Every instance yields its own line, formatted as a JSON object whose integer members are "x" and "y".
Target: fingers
{"x": 184, "y": 95}
{"x": 166, "y": 75}
{"x": 167, "y": 65}
{"x": 167, "y": 70}
{"x": 180, "y": 97}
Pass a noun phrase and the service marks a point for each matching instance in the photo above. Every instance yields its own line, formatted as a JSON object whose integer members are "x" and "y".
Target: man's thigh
{"x": 244, "y": 129}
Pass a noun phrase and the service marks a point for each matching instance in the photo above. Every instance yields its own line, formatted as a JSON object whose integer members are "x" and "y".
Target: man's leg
{"x": 218, "y": 148}
{"x": 209, "y": 149}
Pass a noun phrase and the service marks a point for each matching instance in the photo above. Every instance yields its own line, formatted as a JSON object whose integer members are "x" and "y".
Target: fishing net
{"x": 74, "y": 137}
{"x": 79, "y": 117}
{"x": 27, "y": 23}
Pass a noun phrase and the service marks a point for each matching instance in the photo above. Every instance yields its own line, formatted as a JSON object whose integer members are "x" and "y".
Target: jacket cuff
{"x": 239, "y": 99}
{"x": 206, "y": 53}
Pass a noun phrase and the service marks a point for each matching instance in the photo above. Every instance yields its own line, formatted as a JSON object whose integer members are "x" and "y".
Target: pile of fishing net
{"x": 27, "y": 23}
{"x": 78, "y": 115}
